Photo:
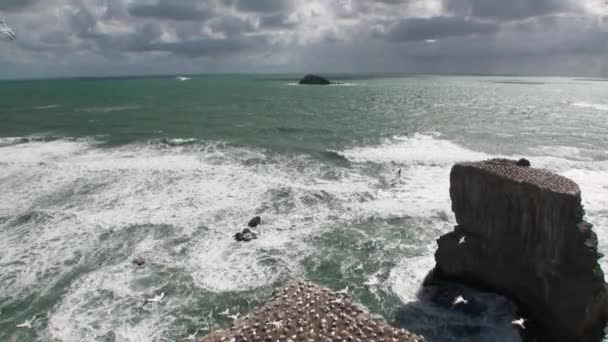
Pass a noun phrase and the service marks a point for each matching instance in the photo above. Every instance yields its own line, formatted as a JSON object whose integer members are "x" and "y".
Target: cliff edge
{"x": 521, "y": 233}
{"x": 303, "y": 311}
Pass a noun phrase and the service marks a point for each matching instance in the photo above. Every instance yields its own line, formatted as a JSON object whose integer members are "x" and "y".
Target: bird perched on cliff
{"x": 519, "y": 322}
{"x": 459, "y": 300}
{"x": 7, "y": 32}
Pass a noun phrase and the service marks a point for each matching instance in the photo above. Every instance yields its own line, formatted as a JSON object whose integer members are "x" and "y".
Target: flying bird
{"x": 6, "y": 31}
{"x": 462, "y": 240}
{"x": 190, "y": 337}
{"x": 234, "y": 317}
{"x": 343, "y": 291}
{"x": 155, "y": 299}
{"x": 28, "y": 323}
{"x": 519, "y": 322}
{"x": 459, "y": 300}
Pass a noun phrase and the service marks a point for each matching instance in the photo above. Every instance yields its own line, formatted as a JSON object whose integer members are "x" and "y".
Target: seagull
{"x": 190, "y": 337}
{"x": 343, "y": 291}
{"x": 225, "y": 312}
{"x": 519, "y": 322}
{"x": 459, "y": 300}
{"x": 431, "y": 41}
{"x": 277, "y": 324}
{"x": 462, "y": 240}
{"x": 28, "y": 323}
{"x": 234, "y": 317}
{"x": 7, "y": 31}
{"x": 181, "y": 78}
{"x": 155, "y": 299}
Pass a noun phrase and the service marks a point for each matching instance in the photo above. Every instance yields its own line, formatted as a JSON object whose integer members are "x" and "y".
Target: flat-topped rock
{"x": 303, "y": 311}
{"x": 509, "y": 169}
{"x": 521, "y": 232}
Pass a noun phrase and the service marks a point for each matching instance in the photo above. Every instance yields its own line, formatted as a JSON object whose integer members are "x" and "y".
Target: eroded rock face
{"x": 525, "y": 237}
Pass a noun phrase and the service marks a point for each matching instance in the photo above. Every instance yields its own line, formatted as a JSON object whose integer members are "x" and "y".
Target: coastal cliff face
{"x": 524, "y": 236}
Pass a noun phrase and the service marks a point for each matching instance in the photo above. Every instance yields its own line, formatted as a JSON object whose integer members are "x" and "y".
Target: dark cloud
{"x": 276, "y": 21}
{"x": 511, "y": 9}
{"x": 261, "y": 6}
{"x": 15, "y": 5}
{"x": 417, "y": 29}
{"x": 173, "y": 10}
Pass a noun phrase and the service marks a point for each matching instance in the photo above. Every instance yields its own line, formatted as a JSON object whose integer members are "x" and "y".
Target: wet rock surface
{"x": 303, "y": 311}
{"x": 525, "y": 237}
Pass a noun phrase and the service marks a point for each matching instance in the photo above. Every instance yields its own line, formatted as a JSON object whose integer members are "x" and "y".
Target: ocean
{"x": 97, "y": 172}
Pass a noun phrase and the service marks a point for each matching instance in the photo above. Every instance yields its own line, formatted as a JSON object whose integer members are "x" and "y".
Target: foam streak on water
{"x": 73, "y": 215}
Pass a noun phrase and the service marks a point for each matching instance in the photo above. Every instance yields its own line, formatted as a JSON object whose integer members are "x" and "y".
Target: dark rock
{"x": 525, "y": 238}
{"x": 254, "y": 222}
{"x": 315, "y": 80}
{"x": 246, "y": 235}
{"x": 523, "y": 162}
{"x": 139, "y": 261}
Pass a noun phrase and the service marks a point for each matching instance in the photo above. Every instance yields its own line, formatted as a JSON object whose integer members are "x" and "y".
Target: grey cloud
{"x": 261, "y": 6}
{"x": 276, "y": 21}
{"x": 417, "y": 29}
{"x": 204, "y": 47}
{"x": 511, "y": 9}
{"x": 173, "y": 10}
{"x": 15, "y": 5}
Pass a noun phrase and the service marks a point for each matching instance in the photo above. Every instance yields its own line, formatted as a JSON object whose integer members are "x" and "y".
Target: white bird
{"x": 459, "y": 300}
{"x": 519, "y": 322}
{"x": 234, "y": 317}
{"x": 190, "y": 337}
{"x": 225, "y": 312}
{"x": 181, "y": 78}
{"x": 7, "y": 31}
{"x": 462, "y": 240}
{"x": 343, "y": 291}
{"x": 155, "y": 299}
{"x": 28, "y": 323}
{"x": 277, "y": 324}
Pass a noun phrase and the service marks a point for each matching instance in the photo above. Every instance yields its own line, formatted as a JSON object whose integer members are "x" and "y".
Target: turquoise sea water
{"x": 94, "y": 173}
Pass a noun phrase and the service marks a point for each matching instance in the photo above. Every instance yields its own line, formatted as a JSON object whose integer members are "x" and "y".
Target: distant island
{"x": 311, "y": 79}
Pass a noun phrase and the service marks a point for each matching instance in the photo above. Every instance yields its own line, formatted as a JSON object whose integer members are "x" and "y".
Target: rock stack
{"x": 305, "y": 312}
{"x": 525, "y": 237}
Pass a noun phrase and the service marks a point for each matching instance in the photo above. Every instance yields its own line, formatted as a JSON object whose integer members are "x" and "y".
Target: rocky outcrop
{"x": 305, "y": 312}
{"x": 314, "y": 80}
{"x": 521, "y": 233}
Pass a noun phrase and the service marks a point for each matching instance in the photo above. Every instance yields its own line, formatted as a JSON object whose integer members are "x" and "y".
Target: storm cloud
{"x": 103, "y": 37}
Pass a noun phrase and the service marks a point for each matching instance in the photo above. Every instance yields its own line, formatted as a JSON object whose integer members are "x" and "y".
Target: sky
{"x": 58, "y": 38}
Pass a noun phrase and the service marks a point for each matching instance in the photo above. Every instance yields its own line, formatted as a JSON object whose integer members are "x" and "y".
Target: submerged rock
{"x": 521, "y": 233}
{"x": 314, "y": 79}
{"x": 305, "y": 312}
